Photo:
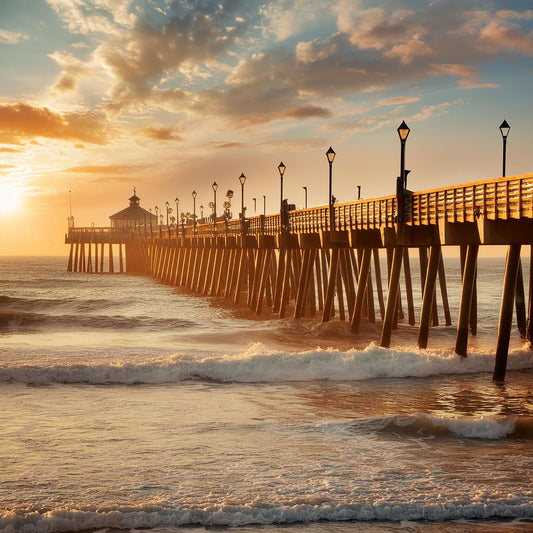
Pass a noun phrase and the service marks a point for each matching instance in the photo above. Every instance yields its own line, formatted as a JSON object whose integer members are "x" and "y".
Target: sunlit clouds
{"x": 158, "y": 87}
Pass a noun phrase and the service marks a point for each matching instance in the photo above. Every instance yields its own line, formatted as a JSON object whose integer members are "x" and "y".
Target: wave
{"x": 424, "y": 426}
{"x": 261, "y": 514}
{"x": 25, "y": 322}
{"x": 259, "y": 365}
{"x": 73, "y": 304}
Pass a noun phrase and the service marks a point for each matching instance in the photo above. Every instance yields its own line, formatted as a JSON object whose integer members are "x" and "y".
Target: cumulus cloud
{"x": 209, "y": 59}
{"x": 21, "y": 121}
{"x": 93, "y": 16}
{"x": 73, "y": 69}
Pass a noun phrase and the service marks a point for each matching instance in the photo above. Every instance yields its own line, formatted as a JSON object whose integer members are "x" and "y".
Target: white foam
{"x": 59, "y": 521}
{"x": 258, "y": 364}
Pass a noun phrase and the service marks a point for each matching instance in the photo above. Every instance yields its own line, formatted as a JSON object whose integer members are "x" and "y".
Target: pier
{"x": 324, "y": 261}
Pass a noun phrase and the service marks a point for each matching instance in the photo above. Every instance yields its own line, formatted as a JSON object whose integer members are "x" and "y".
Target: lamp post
{"x": 215, "y": 187}
{"x": 330, "y": 154}
{"x": 401, "y": 183}
{"x": 255, "y": 204}
{"x": 281, "y": 169}
{"x": 403, "y": 132}
{"x": 242, "y": 179}
{"x": 177, "y": 200}
{"x": 194, "y": 194}
{"x": 504, "y": 129}
{"x": 156, "y": 215}
{"x": 167, "y": 205}
{"x": 359, "y": 192}
{"x": 305, "y": 192}
{"x": 264, "y": 204}
{"x": 150, "y": 221}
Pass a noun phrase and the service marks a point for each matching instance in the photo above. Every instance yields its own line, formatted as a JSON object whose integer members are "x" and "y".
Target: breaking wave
{"x": 257, "y": 365}
{"x": 260, "y": 514}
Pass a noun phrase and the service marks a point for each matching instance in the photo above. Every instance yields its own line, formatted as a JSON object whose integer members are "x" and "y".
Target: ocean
{"x": 131, "y": 405}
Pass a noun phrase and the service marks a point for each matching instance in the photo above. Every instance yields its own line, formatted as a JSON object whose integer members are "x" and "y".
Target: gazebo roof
{"x": 133, "y": 212}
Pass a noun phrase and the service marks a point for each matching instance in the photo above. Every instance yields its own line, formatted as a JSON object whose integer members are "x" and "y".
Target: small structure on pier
{"x": 134, "y": 215}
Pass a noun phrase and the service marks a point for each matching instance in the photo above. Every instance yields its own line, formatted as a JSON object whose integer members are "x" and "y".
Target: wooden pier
{"x": 326, "y": 262}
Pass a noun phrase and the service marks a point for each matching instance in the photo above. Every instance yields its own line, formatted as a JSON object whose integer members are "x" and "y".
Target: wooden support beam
{"x": 286, "y": 289}
{"x": 96, "y": 257}
{"x": 70, "y": 257}
{"x": 111, "y": 266}
{"x": 390, "y": 308}
{"x": 444, "y": 292}
{"x": 428, "y": 297}
{"x": 379, "y": 284}
{"x": 102, "y": 257}
{"x": 408, "y": 287}
{"x": 506, "y": 312}
{"x": 520, "y": 302}
{"x": 330, "y": 291}
{"x": 340, "y": 293}
{"x": 467, "y": 289}
{"x": 120, "y": 259}
{"x": 302, "y": 284}
{"x": 279, "y": 279}
{"x": 529, "y": 332}
{"x": 361, "y": 287}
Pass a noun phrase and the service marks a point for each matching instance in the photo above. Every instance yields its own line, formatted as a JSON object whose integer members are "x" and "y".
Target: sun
{"x": 10, "y": 198}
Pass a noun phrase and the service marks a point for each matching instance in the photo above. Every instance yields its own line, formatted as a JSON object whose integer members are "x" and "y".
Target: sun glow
{"x": 10, "y": 198}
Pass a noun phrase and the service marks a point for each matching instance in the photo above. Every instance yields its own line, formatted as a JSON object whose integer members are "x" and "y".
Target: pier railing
{"x": 495, "y": 199}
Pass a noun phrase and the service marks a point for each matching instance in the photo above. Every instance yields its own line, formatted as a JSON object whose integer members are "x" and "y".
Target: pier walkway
{"x": 325, "y": 261}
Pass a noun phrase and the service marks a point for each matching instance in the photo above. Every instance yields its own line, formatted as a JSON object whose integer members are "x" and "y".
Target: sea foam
{"x": 259, "y": 364}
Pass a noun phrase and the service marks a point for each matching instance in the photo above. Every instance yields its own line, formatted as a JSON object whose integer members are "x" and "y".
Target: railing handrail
{"x": 496, "y": 198}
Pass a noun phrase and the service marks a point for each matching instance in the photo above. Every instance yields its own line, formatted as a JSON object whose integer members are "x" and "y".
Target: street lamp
{"x": 177, "y": 200}
{"x": 359, "y": 192}
{"x": 305, "y": 197}
{"x": 255, "y": 204}
{"x": 403, "y": 131}
{"x": 401, "y": 182}
{"x": 194, "y": 195}
{"x": 242, "y": 179}
{"x": 167, "y": 204}
{"x": 264, "y": 204}
{"x": 150, "y": 221}
{"x": 156, "y": 215}
{"x": 504, "y": 129}
{"x": 202, "y": 213}
{"x": 281, "y": 169}
{"x": 215, "y": 187}
{"x": 330, "y": 154}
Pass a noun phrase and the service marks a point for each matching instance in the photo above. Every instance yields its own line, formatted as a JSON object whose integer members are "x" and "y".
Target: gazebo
{"x": 134, "y": 215}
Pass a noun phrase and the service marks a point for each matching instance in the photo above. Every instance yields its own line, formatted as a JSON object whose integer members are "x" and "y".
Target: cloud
{"x": 162, "y": 134}
{"x": 93, "y": 16}
{"x": 307, "y": 111}
{"x": 398, "y": 100}
{"x": 104, "y": 169}
{"x": 143, "y": 57}
{"x": 21, "y": 121}
{"x": 73, "y": 69}
{"x": 11, "y": 37}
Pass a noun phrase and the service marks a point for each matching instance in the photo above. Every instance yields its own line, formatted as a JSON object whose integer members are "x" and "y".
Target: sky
{"x": 101, "y": 96}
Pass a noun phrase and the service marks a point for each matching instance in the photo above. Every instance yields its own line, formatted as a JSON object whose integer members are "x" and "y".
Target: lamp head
{"x": 194, "y": 194}
{"x": 330, "y": 154}
{"x": 281, "y": 168}
{"x": 215, "y": 186}
{"x": 403, "y": 131}
{"x": 242, "y": 178}
{"x": 504, "y": 129}
{"x": 177, "y": 200}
